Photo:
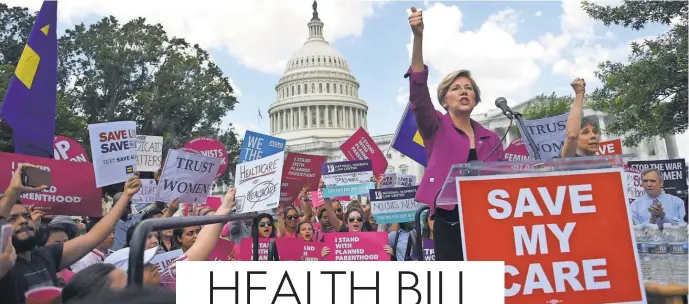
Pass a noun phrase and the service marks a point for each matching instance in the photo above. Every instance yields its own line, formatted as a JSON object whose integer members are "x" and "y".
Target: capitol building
{"x": 318, "y": 107}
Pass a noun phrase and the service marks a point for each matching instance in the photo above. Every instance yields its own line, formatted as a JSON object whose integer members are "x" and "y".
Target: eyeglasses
{"x": 354, "y": 219}
{"x": 292, "y": 217}
{"x": 264, "y": 224}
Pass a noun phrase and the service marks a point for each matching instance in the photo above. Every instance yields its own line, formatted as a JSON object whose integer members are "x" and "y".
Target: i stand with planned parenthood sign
{"x": 545, "y": 220}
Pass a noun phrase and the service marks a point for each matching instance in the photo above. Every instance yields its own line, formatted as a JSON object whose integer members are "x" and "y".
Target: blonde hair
{"x": 449, "y": 79}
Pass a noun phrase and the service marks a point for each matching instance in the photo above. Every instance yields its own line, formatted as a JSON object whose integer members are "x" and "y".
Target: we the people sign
{"x": 565, "y": 237}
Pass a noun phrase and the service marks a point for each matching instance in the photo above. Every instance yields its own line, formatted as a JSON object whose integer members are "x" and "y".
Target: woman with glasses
{"x": 355, "y": 223}
{"x": 265, "y": 224}
{"x": 288, "y": 217}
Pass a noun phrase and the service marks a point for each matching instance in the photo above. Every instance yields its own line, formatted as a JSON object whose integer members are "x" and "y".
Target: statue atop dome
{"x": 315, "y": 11}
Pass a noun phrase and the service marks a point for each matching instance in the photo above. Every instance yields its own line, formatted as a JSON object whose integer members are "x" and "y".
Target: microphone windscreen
{"x": 500, "y": 100}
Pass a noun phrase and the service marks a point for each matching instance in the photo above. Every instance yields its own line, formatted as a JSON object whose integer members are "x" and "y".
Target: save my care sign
{"x": 113, "y": 146}
{"x": 188, "y": 176}
{"x": 547, "y": 227}
{"x": 674, "y": 172}
{"x": 394, "y": 205}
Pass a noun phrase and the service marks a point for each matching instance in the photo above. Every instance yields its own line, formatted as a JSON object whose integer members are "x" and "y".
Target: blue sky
{"x": 514, "y": 49}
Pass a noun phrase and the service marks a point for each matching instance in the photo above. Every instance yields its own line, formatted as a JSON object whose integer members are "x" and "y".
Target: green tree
{"x": 648, "y": 95}
{"x": 111, "y": 72}
{"x": 543, "y": 106}
{"x": 16, "y": 24}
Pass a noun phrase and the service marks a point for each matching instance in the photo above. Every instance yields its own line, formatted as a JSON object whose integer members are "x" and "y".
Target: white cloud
{"x": 241, "y": 129}
{"x": 538, "y": 14}
{"x": 500, "y": 65}
{"x": 261, "y": 34}
{"x": 402, "y": 97}
{"x": 237, "y": 92}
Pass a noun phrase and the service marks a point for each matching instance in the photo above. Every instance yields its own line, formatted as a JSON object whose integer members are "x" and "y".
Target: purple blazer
{"x": 445, "y": 145}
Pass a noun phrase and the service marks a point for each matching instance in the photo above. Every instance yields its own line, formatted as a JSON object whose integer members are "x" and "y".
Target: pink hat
{"x": 226, "y": 230}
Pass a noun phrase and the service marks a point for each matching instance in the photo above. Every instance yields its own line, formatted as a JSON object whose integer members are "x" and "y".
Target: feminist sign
{"x": 548, "y": 228}
{"x": 212, "y": 148}
{"x": 69, "y": 149}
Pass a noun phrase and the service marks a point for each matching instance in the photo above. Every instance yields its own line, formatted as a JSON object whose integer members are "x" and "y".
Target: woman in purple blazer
{"x": 450, "y": 138}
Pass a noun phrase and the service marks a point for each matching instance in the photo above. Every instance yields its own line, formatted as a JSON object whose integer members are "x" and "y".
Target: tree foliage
{"x": 108, "y": 71}
{"x": 648, "y": 95}
{"x": 543, "y": 106}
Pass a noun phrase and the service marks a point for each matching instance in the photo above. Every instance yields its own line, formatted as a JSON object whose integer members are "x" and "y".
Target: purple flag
{"x": 30, "y": 100}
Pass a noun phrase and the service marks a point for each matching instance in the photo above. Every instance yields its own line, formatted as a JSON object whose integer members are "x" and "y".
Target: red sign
{"x": 73, "y": 190}
{"x": 303, "y": 167}
{"x": 209, "y": 147}
{"x": 360, "y": 146}
{"x": 517, "y": 151}
{"x": 289, "y": 190}
{"x": 223, "y": 251}
{"x": 66, "y": 148}
{"x": 610, "y": 147}
{"x": 356, "y": 246}
{"x": 565, "y": 237}
{"x": 212, "y": 202}
{"x": 292, "y": 249}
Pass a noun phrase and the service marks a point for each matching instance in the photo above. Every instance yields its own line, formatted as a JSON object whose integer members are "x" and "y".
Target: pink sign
{"x": 210, "y": 147}
{"x": 212, "y": 202}
{"x": 289, "y": 190}
{"x": 360, "y": 146}
{"x": 357, "y": 246}
{"x": 291, "y": 249}
{"x": 303, "y": 167}
{"x": 317, "y": 199}
{"x": 223, "y": 251}
{"x": 245, "y": 252}
{"x": 73, "y": 190}
{"x": 69, "y": 149}
{"x": 517, "y": 151}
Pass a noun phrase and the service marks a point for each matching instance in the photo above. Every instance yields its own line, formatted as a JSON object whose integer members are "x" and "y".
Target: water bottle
{"x": 658, "y": 258}
{"x": 640, "y": 234}
{"x": 677, "y": 249}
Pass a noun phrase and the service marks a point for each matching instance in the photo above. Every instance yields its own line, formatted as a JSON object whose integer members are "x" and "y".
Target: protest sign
{"x": 517, "y": 151}
{"x": 394, "y": 205}
{"x": 347, "y": 173}
{"x": 165, "y": 259}
{"x": 258, "y": 183}
{"x": 428, "y": 251}
{"x": 360, "y": 189}
{"x": 246, "y": 249}
{"x": 113, "y": 147}
{"x": 389, "y": 180}
{"x": 360, "y": 146}
{"x": 317, "y": 198}
{"x": 633, "y": 181}
{"x": 212, "y": 202}
{"x": 610, "y": 147}
{"x": 289, "y": 191}
{"x": 147, "y": 193}
{"x": 72, "y": 191}
{"x": 223, "y": 251}
{"x": 210, "y": 147}
{"x": 69, "y": 149}
{"x": 543, "y": 226}
{"x": 548, "y": 134}
{"x": 304, "y": 167}
{"x": 257, "y": 145}
{"x": 405, "y": 180}
{"x": 293, "y": 249}
{"x": 356, "y": 246}
{"x": 674, "y": 172}
{"x": 188, "y": 176}
{"x": 149, "y": 153}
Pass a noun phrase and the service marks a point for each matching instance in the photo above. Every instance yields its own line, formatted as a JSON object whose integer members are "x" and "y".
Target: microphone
{"x": 501, "y": 103}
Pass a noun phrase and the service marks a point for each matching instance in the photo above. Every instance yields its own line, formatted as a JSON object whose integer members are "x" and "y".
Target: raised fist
{"x": 579, "y": 86}
{"x": 416, "y": 22}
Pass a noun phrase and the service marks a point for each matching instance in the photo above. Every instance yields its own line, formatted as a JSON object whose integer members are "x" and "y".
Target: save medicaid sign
{"x": 565, "y": 237}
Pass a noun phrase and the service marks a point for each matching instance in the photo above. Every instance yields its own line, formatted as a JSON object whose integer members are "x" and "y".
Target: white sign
{"x": 548, "y": 134}
{"x": 147, "y": 193}
{"x": 149, "y": 153}
{"x": 165, "y": 259}
{"x": 389, "y": 180}
{"x": 291, "y": 282}
{"x": 113, "y": 146}
{"x": 258, "y": 183}
{"x": 188, "y": 176}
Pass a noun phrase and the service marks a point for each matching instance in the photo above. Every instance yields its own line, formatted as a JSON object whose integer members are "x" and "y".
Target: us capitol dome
{"x": 317, "y": 96}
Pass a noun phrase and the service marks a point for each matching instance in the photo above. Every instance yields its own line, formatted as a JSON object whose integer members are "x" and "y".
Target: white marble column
{"x": 336, "y": 123}
{"x": 308, "y": 116}
{"x": 351, "y": 117}
{"x": 300, "y": 119}
{"x": 318, "y": 116}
